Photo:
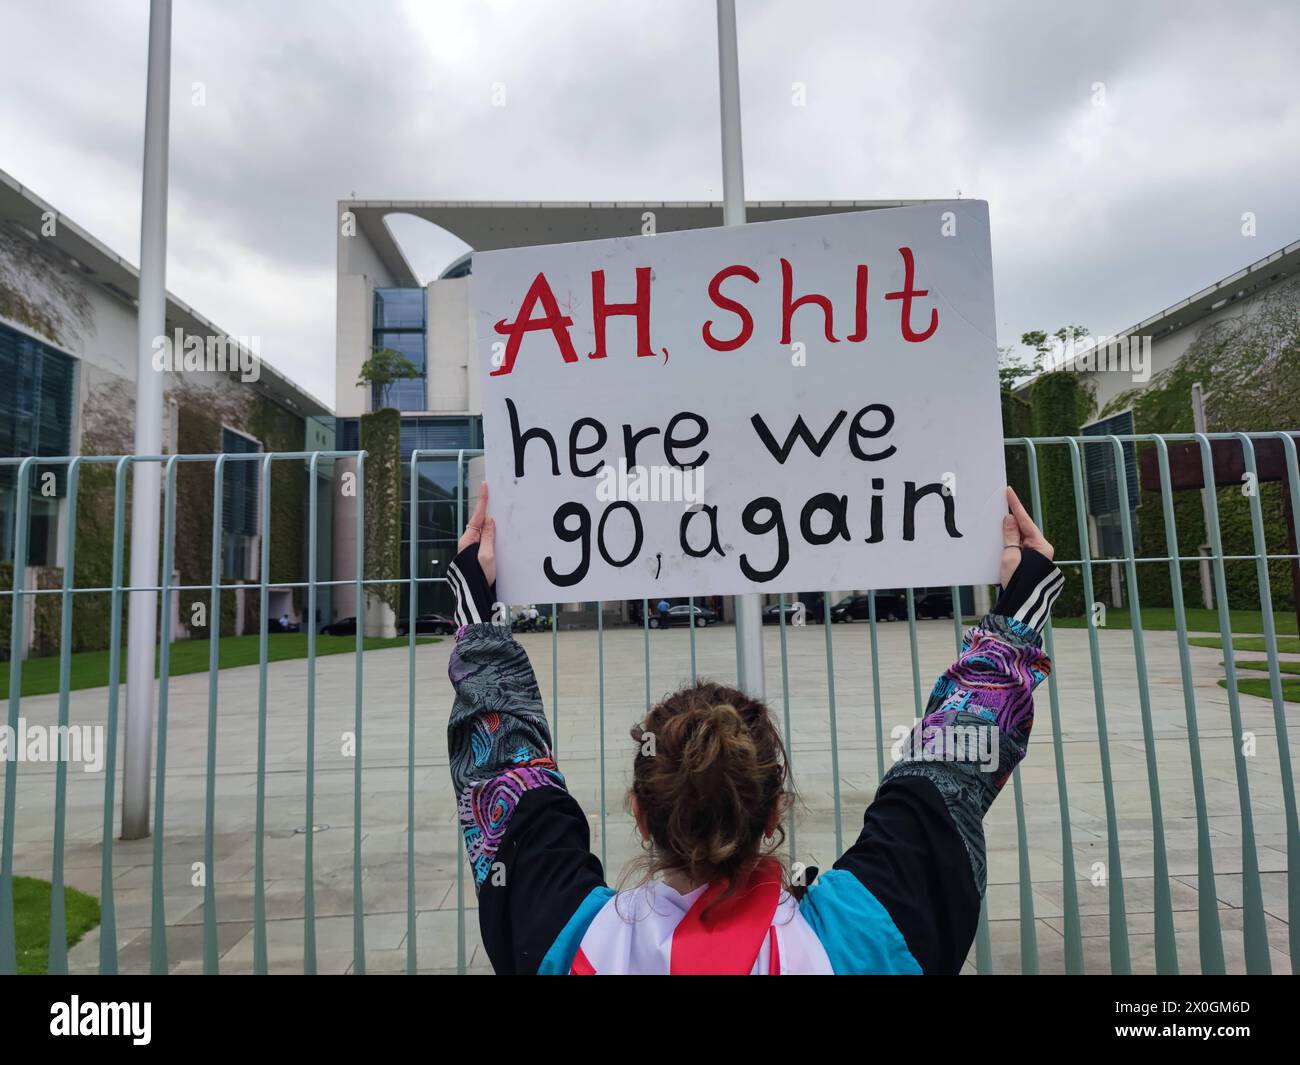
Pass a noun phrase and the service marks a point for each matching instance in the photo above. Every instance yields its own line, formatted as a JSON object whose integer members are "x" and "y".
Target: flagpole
{"x": 142, "y": 628}
{"x": 749, "y": 618}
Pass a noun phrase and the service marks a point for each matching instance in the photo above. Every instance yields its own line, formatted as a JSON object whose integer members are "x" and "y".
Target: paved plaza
{"x": 384, "y": 793}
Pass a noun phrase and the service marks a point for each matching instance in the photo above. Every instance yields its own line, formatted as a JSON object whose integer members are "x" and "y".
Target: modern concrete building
{"x": 68, "y": 343}
{"x": 1134, "y": 358}
{"x": 382, "y": 303}
{"x": 1170, "y": 332}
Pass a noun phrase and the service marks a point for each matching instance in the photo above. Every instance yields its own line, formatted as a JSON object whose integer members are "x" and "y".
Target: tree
{"x": 1043, "y": 344}
{"x": 385, "y": 367}
{"x": 1011, "y": 368}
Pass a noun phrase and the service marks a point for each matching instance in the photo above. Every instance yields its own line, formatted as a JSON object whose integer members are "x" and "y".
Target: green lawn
{"x": 90, "y": 668}
{"x": 1261, "y": 665}
{"x": 1285, "y": 644}
{"x": 32, "y": 920}
{"x": 1290, "y": 689}
{"x": 1199, "y": 619}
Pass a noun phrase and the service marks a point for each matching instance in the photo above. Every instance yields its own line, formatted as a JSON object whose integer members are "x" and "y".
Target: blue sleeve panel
{"x": 859, "y": 936}
{"x": 559, "y": 958}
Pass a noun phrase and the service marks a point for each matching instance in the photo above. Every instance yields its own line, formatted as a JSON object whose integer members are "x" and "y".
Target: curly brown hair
{"x": 709, "y": 779}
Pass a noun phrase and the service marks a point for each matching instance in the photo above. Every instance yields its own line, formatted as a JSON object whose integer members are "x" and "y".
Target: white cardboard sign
{"x": 818, "y": 399}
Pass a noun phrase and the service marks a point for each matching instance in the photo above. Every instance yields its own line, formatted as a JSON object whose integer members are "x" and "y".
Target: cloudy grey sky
{"x": 1118, "y": 144}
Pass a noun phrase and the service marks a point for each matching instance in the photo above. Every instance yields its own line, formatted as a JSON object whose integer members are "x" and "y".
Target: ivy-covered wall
{"x": 200, "y": 416}
{"x": 1017, "y": 421}
{"x": 107, "y": 428}
{"x": 1054, "y": 404}
{"x": 381, "y": 439}
{"x": 40, "y": 293}
{"x": 1165, "y": 406}
{"x": 198, "y": 432}
{"x": 279, "y": 430}
{"x": 48, "y": 612}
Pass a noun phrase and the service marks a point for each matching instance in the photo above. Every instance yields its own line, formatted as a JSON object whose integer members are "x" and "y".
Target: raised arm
{"x": 906, "y": 896}
{"x": 526, "y": 838}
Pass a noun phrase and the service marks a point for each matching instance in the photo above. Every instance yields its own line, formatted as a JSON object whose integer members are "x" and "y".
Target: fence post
{"x": 151, "y": 321}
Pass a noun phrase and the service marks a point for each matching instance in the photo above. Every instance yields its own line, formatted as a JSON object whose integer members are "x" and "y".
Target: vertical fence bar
{"x": 1254, "y": 930}
{"x": 983, "y": 944}
{"x": 785, "y": 701}
{"x": 358, "y": 899}
{"x": 1209, "y": 929}
{"x": 1119, "y": 948}
{"x": 740, "y": 643}
{"x": 1292, "y": 829}
{"x": 58, "y": 939}
{"x": 555, "y": 678}
{"x": 412, "y": 566}
{"x": 1279, "y": 706}
{"x": 263, "y": 657}
{"x": 460, "y": 836}
{"x": 1166, "y": 947}
{"x": 107, "y": 902}
{"x": 8, "y": 940}
{"x": 210, "y": 950}
{"x": 918, "y": 699}
{"x": 1069, "y": 882}
{"x": 835, "y": 742}
{"x": 309, "y": 831}
{"x": 691, "y": 620}
{"x": 875, "y": 688}
{"x": 600, "y": 659}
{"x": 1028, "y": 929}
{"x": 158, "y": 908}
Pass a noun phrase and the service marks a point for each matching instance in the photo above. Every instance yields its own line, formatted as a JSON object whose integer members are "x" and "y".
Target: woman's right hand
{"x": 482, "y": 530}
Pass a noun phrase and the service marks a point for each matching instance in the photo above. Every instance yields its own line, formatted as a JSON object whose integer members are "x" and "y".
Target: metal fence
{"x": 38, "y": 830}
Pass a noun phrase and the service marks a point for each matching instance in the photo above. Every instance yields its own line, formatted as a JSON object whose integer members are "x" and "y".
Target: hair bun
{"x": 716, "y": 741}
{"x": 715, "y": 778}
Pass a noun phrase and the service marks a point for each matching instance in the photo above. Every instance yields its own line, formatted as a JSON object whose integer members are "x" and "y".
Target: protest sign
{"x": 796, "y": 405}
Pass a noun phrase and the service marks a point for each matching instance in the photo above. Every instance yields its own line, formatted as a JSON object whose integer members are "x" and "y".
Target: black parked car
{"x": 934, "y": 603}
{"x": 891, "y": 605}
{"x": 681, "y": 615}
{"x": 812, "y": 612}
{"x": 851, "y": 608}
{"x": 342, "y": 627}
{"x": 428, "y": 625}
{"x": 772, "y": 614}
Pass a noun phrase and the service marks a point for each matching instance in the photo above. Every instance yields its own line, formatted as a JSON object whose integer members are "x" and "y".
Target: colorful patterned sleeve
{"x": 920, "y": 858}
{"x": 526, "y": 838}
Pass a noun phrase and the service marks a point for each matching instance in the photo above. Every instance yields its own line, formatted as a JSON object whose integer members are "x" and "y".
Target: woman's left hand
{"x": 1018, "y": 531}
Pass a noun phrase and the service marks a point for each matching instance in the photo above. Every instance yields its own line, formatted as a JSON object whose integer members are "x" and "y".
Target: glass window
{"x": 239, "y": 503}
{"x": 437, "y": 523}
{"x": 400, "y": 325}
{"x": 36, "y": 400}
{"x": 35, "y": 419}
{"x": 1103, "y": 483}
{"x": 399, "y": 308}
